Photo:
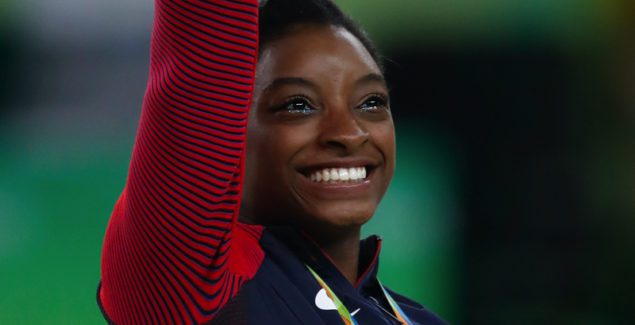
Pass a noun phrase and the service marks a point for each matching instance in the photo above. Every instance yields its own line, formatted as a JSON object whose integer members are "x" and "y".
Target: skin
{"x": 320, "y": 100}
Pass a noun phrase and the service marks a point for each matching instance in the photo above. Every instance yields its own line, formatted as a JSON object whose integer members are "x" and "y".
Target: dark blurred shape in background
{"x": 514, "y": 199}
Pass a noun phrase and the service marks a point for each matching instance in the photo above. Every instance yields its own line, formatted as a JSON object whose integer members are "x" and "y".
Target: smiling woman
{"x": 320, "y": 108}
{"x": 317, "y": 153}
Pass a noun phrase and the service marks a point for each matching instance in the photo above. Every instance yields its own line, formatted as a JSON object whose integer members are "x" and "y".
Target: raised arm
{"x": 173, "y": 251}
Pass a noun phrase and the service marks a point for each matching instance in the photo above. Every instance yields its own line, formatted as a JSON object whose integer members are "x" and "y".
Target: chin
{"x": 342, "y": 216}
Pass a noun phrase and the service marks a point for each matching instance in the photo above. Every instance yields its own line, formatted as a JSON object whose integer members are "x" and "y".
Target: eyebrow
{"x": 371, "y": 78}
{"x": 294, "y": 81}
{"x": 298, "y": 81}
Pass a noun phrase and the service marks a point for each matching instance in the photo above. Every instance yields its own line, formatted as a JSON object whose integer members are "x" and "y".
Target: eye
{"x": 374, "y": 103}
{"x": 296, "y": 106}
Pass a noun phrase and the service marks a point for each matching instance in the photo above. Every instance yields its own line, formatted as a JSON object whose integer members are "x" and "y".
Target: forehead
{"x": 313, "y": 50}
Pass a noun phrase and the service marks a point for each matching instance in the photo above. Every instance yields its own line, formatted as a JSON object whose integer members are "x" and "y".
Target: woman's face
{"x": 320, "y": 112}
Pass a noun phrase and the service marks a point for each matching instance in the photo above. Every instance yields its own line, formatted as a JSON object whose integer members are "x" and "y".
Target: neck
{"x": 343, "y": 249}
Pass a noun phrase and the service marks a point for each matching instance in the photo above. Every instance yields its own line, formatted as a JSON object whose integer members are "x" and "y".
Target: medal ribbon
{"x": 346, "y": 315}
{"x": 341, "y": 309}
{"x": 395, "y": 307}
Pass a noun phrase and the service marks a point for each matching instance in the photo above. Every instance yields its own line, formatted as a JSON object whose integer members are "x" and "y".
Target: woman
{"x": 319, "y": 156}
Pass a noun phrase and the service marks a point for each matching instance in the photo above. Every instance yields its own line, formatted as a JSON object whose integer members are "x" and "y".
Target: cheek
{"x": 271, "y": 149}
{"x": 384, "y": 137}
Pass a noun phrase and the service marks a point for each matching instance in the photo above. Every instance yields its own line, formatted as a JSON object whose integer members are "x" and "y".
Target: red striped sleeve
{"x": 173, "y": 250}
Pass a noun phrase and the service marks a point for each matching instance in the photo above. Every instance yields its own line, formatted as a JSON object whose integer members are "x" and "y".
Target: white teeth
{"x": 353, "y": 173}
{"x": 334, "y": 175}
{"x": 326, "y": 175}
{"x": 343, "y": 174}
{"x": 338, "y": 174}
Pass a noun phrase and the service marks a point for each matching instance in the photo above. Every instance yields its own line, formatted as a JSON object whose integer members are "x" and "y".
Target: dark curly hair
{"x": 277, "y": 17}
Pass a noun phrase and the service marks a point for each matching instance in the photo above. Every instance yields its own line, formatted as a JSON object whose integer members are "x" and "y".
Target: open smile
{"x": 339, "y": 173}
{"x": 333, "y": 175}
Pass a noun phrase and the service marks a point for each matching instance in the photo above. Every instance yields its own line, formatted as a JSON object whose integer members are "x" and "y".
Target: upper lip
{"x": 339, "y": 163}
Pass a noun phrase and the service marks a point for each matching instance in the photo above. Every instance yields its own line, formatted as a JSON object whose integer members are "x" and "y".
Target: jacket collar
{"x": 312, "y": 255}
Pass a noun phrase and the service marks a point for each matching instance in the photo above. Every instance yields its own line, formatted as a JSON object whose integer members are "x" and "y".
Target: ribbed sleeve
{"x": 173, "y": 251}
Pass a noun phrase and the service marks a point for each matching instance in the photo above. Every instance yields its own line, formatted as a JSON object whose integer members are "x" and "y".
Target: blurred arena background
{"x": 514, "y": 199}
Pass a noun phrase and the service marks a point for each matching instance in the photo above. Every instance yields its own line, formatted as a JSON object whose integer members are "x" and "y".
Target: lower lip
{"x": 338, "y": 190}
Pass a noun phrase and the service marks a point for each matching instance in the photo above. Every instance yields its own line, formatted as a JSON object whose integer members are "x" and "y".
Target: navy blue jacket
{"x": 284, "y": 292}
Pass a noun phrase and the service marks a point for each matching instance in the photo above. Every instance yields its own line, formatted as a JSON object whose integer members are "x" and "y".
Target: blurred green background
{"x": 514, "y": 198}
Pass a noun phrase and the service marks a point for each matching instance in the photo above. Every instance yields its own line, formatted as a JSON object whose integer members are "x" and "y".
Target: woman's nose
{"x": 341, "y": 130}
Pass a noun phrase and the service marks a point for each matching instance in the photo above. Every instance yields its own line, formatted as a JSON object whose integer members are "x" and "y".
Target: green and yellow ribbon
{"x": 346, "y": 315}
